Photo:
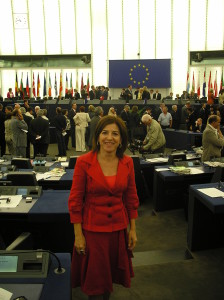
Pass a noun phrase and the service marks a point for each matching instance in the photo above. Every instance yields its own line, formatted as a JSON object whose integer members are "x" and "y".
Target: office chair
{"x": 72, "y": 162}
{"x": 22, "y": 178}
{"x": 139, "y": 179}
{"x": 218, "y": 175}
{"x": 22, "y": 163}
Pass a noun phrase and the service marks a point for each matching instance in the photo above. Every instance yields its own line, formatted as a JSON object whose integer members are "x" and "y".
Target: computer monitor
{"x": 22, "y": 163}
{"x": 22, "y": 178}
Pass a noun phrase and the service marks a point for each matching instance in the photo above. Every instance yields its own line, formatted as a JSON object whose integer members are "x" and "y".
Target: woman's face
{"x": 110, "y": 138}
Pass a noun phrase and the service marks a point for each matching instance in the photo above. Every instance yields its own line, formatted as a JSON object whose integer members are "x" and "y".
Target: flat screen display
{"x": 8, "y": 263}
{"x": 22, "y": 191}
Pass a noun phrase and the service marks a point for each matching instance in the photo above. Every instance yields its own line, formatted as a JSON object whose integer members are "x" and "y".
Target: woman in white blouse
{"x": 81, "y": 120}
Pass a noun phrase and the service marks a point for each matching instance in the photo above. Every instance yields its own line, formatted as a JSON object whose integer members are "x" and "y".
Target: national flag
{"x": 66, "y": 84}
{"x": 215, "y": 85}
{"x": 187, "y": 83}
{"x": 204, "y": 85}
{"x": 60, "y": 88}
{"x": 193, "y": 83}
{"x": 221, "y": 81}
{"x": 16, "y": 85}
{"x": 49, "y": 86}
{"x": 34, "y": 90}
{"x": 21, "y": 85}
{"x": 71, "y": 85}
{"x": 87, "y": 88}
{"x": 38, "y": 85}
{"x": 55, "y": 86}
{"x": 209, "y": 81}
{"x": 82, "y": 84}
{"x": 198, "y": 86}
{"x": 45, "y": 87}
{"x": 27, "y": 86}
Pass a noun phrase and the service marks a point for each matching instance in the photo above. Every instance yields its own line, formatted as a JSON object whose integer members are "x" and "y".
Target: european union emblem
{"x": 139, "y": 73}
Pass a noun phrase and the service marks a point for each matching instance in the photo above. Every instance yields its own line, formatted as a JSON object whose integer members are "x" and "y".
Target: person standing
{"x": 68, "y": 127}
{"x": 101, "y": 208}
{"x": 71, "y": 115}
{"x": 129, "y": 93}
{"x": 10, "y": 94}
{"x": 93, "y": 123}
{"x": 175, "y": 117}
{"x": 8, "y": 134}
{"x": 2, "y": 130}
{"x": 212, "y": 139}
{"x": 81, "y": 120}
{"x": 59, "y": 122}
{"x": 165, "y": 118}
{"x": 39, "y": 134}
{"x": 19, "y": 133}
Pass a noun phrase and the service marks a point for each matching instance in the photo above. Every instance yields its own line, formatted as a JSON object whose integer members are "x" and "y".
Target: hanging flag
{"x": 34, "y": 90}
{"x": 38, "y": 85}
{"x": 82, "y": 84}
{"x": 198, "y": 86}
{"x": 193, "y": 83}
{"x": 215, "y": 85}
{"x": 60, "y": 88}
{"x": 204, "y": 85}
{"x": 45, "y": 87}
{"x": 66, "y": 84}
{"x": 49, "y": 86}
{"x": 16, "y": 85}
{"x": 221, "y": 81}
{"x": 187, "y": 83}
{"x": 21, "y": 86}
{"x": 55, "y": 86}
{"x": 27, "y": 86}
{"x": 209, "y": 82}
{"x": 71, "y": 86}
{"x": 87, "y": 88}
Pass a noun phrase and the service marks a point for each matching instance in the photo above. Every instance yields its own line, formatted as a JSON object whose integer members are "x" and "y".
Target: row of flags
{"x": 36, "y": 86}
{"x": 210, "y": 86}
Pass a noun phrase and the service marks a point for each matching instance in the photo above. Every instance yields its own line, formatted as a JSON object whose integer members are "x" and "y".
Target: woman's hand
{"x": 132, "y": 239}
{"x": 80, "y": 244}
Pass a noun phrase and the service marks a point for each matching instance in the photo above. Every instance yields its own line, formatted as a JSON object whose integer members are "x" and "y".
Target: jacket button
{"x": 110, "y": 194}
{"x": 109, "y": 216}
{"x": 109, "y": 204}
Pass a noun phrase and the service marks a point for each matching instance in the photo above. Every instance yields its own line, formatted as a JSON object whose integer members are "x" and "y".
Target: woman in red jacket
{"x": 102, "y": 202}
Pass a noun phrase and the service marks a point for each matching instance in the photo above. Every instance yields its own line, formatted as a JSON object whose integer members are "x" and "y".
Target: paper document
{"x": 212, "y": 192}
{"x": 38, "y": 137}
{"x": 157, "y": 159}
{"x": 162, "y": 169}
{"x": 24, "y": 130}
{"x": 4, "y": 294}
{"x": 64, "y": 164}
{"x": 196, "y": 171}
{"x": 8, "y": 201}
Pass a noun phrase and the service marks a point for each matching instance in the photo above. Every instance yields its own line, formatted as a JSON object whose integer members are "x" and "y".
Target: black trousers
{"x": 61, "y": 143}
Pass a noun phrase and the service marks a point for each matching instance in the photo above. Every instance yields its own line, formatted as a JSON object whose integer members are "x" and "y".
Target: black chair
{"x": 139, "y": 179}
{"x": 22, "y": 178}
{"x": 21, "y": 163}
{"x": 72, "y": 162}
{"x": 218, "y": 175}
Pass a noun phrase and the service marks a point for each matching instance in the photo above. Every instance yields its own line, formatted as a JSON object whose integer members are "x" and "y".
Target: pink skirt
{"x": 107, "y": 261}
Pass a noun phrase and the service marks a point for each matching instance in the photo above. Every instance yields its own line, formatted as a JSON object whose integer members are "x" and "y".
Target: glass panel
{"x": 83, "y": 24}
{"x": 115, "y": 34}
{"x": 8, "y": 81}
{"x": 180, "y": 46}
{"x": 19, "y": 6}
{"x": 6, "y": 35}
{"x": 163, "y": 29}
{"x": 131, "y": 36}
{"x": 99, "y": 40}
{"x": 215, "y": 25}
{"x": 22, "y": 41}
{"x": 147, "y": 29}
{"x": 37, "y": 34}
{"x": 52, "y": 27}
{"x": 197, "y": 25}
{"x": 67, "y": 14}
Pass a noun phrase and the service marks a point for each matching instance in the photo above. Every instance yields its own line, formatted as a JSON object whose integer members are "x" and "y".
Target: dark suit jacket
{"x": 39, "y": 126}
{"x": 158, "y": 96}
{"x": 92, "y": 95}
{"x": 71, "y": 115}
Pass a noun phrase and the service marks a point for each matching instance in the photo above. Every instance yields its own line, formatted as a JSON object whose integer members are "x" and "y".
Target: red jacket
{"x": 94, "y": 204}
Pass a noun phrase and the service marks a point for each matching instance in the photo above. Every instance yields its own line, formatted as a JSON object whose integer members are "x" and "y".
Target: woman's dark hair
{"x": 107, "y": 120}
{"x": 82, "y": 108}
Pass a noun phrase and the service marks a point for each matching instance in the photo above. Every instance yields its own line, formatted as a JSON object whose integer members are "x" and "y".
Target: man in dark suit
{"x": 157, "y": 95}
{"x": 59, "y": 122}
{"x": 39, "y": 134}
{"x": 125, "y": 114}
{"x": 92, "y": 93}
{"x": 71, "y": 115}
{"x": 175, "y": 117}
{"x": 128, "y": 93}
{"x": 94, "y": 121}
{"x": 76, "y": 94}
{"x": 2, "y": 131}
{"x": 27, "y": 119}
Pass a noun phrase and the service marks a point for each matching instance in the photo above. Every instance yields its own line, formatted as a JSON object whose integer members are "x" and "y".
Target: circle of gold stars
{"x": 135, "y": 67}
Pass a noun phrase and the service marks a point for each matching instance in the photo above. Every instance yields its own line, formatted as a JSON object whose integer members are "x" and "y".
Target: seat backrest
{"x": 72, "y": 162}
{"x": 22, "y": 163}
{"x": 22, "y": 178}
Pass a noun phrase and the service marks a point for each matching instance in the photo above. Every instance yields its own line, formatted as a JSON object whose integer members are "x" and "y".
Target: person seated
{"x": 19, "y": 94}
{"x": 76, "y": 94}
{"x": 185, "y": 95}
{"x": 122, "y": 94}
{"x": 140, "y": 93}
{"x": 157, "y": 95}
{"x": 170, "y": 97}
{"x": 68, "y": 95}
{"x": 199, "y": 126}
{"x": 211, "y": 97}
{"x": 10, "y": 94}
{"x": 145, "y": 94}
{"x": 177, "y": 97}
{"x": 191, "y": 119}
{"x": 155, "y": 140}
{"x": 193, "y": 95}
